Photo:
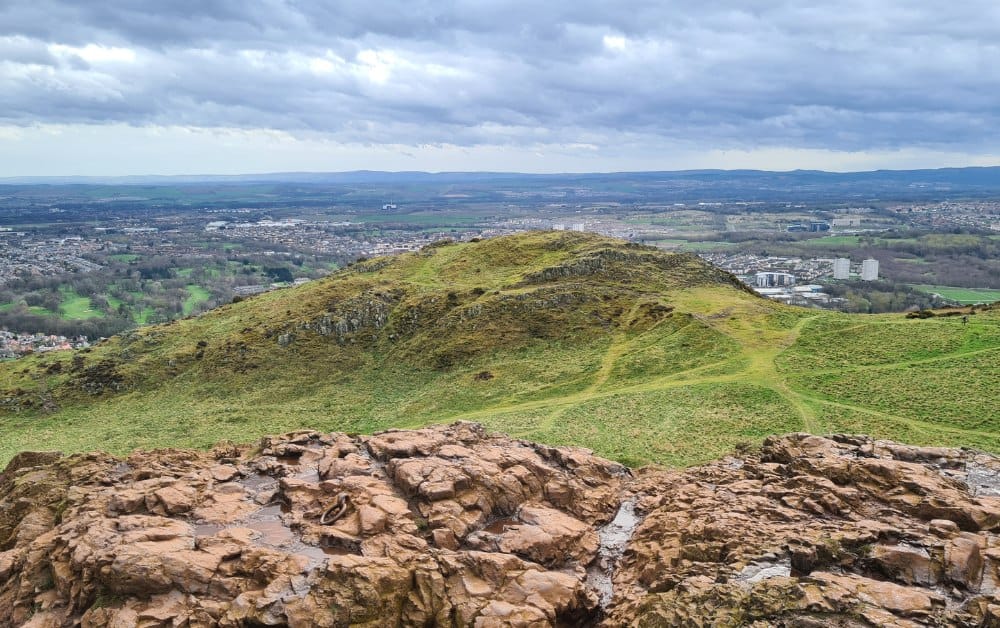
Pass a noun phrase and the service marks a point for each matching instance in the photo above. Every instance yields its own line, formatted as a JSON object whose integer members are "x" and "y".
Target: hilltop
{"x": 566, "y": 338}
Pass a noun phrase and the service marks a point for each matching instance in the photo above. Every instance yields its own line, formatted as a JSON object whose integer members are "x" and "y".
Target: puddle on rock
{"x": 613, "y": 539}
{"x": 982, "y": 480}
{"x": 274, "y": 533}
{"x": 206, "y": 529}
{"x": 310, "y": 475}
{"x": 305, "y": 466}
{"x": 268, "y": 522}
{"x": 755, "y": 572}
{"x": 258, "y": 482}
{"x": 499, "y": 526}
{"x": 377, "y": 466}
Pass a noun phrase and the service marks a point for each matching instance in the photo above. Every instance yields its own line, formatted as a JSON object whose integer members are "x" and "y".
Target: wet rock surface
{"x": 453, "y": 526}
{"x": 308, "y": 529}
{"x": 836, "y": 531}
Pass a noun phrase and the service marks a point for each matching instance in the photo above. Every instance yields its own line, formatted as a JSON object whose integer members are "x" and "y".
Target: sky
{"x": 121, "y": 87}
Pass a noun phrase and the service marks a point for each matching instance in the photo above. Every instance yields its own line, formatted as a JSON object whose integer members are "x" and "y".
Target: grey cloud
{"x": 22, "y": 50}
{"x": 849, "y": 75}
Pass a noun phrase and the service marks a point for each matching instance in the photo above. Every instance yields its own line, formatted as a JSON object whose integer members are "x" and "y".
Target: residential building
{"x": 769, "y": 279}
{"x": 869, "y": 270}
{"x": 841, "y": 268}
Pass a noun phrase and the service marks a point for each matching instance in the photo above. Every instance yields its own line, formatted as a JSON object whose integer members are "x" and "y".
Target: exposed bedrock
{"x": 454, "y": 526}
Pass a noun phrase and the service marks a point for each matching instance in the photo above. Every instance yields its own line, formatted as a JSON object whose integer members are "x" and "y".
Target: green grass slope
{"x": 564, "y": 338}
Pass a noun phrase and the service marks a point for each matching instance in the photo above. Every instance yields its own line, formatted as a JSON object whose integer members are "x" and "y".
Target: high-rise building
{"x": 869, "y": 270}
{"x": 841, "y": 268}
{"x": 769, "y": 279}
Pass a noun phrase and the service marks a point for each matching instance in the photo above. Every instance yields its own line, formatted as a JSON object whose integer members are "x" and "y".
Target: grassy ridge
{"x": 567, "y": 338}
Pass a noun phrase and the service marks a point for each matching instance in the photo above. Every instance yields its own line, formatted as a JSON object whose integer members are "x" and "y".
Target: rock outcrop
{"x": 453, "y": 526}
{"x": 441, "y": 526}
{"x": 836, "y": 531}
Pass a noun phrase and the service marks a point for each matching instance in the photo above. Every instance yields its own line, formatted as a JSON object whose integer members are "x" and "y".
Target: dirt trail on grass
{"x": 760, "y": 370}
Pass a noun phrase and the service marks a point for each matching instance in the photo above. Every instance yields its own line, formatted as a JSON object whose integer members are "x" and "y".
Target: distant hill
{"x": 572, "y": 338}
{"x": 971, "y": 176}
{"x": 796, "y": 185}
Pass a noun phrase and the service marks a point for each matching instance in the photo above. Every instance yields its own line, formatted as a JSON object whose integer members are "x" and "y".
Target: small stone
{"x": 445, "y": 539}
{"x": 224, "y": 473}
{"x": 174, "y": 500}
{"x": 371, "y": 520}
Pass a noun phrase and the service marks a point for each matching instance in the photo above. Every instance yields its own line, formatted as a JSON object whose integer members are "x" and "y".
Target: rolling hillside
{"x": 568, "y": 338}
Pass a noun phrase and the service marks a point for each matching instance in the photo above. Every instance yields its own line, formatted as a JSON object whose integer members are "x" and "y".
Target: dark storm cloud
{"x": 843, "y": 75}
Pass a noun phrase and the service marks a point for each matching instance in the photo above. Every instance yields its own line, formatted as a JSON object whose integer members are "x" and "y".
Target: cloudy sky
{"x": 236, "y": 86}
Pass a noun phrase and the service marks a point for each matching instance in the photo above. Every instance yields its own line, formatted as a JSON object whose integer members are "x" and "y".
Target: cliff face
{"x": 453, "y": 526}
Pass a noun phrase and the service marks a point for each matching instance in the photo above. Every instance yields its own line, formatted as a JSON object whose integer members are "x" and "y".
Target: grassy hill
{"x": 640, "y": 355}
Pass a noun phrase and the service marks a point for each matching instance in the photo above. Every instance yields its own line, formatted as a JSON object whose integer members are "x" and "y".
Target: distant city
{"x": 780, "y": 285}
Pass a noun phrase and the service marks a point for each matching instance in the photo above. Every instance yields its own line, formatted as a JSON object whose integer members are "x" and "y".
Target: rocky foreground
{"x": 453, "y": 526}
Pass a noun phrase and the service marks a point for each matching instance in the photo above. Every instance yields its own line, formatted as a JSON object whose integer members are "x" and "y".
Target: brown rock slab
{"x": 451, "y": 525}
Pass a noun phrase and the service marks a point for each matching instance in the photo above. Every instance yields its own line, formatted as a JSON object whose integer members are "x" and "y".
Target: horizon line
{"x": 320, "y": 173}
